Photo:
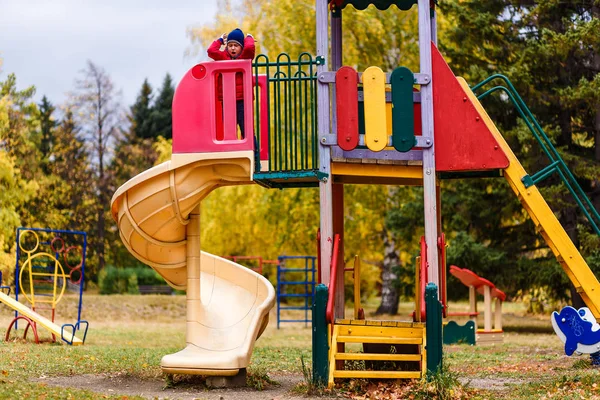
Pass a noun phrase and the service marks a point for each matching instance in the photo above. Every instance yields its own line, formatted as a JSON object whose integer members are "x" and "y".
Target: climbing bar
{"x": 557, "y": 163}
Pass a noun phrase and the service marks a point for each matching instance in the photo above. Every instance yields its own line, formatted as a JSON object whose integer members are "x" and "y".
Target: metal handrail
{"x": 557, "y": 163}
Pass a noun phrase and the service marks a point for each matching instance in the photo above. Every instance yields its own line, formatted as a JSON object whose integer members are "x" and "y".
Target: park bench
{"x": 155, "y": 289}
{"x": 490, "y": 292}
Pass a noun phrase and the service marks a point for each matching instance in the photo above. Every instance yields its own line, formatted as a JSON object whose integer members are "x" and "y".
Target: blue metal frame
{"x": 309, "y": 271}
{"x": 77, "y": 325}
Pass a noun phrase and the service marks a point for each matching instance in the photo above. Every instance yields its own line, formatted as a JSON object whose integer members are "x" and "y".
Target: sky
{"x": 46, "y": 43}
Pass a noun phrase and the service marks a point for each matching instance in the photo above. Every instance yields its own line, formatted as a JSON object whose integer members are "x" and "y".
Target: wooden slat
{"x": 378, "y": 374}
{"x": 379, "y": 357}
{"x": 373, "y": 339}
{"x": 381, "y": 331}
{"x": 400, "y": 324}
{"x": 346, "y": 94}
{"x": 375, "y": 111}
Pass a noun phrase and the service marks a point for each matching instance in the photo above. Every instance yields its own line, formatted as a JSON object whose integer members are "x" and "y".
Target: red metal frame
{"x": 423, "y": 279}
{"x": 333, "y": 279}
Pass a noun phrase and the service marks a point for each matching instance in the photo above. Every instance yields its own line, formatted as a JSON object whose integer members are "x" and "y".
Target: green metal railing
{"x": 556, "y": 162}
{"x": 292, "y": 111}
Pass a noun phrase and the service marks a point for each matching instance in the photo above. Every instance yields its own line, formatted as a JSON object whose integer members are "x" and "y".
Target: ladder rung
{"x": 375, "y": 339}
{"x": 378, "y": 374}
{"x": 378, "y": 357}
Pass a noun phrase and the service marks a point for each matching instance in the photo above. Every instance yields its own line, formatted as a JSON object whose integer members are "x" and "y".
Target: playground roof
{"x": 380, "y": 4}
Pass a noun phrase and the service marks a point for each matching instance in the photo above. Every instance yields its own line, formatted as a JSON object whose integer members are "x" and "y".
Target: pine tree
{"x": 161, "y": 110}
{"x": 47, "y": 124}
{"x": 141, "y": 122}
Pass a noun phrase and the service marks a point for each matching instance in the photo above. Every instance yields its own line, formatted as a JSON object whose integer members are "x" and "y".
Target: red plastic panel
{"x": 463, "y": 142}
{"x": 263, "y": 117}
{"x": 470, "y": 278}
{"x": 346, "y": 100}
{"x": 196, "y": 109}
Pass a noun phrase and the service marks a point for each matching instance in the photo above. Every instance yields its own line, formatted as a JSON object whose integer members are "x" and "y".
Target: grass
{"x": 128, "y": 335}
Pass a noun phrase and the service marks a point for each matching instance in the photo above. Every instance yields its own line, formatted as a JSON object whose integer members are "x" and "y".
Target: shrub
{"x": 113, "y": 280}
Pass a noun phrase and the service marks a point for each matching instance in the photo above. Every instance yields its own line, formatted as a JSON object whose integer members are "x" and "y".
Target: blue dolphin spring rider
{"x": 579, "y": 331}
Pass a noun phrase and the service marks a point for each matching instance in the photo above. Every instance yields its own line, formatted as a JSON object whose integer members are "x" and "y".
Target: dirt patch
{"x": 155, "y": 389}
{"x": 496, "y": 384}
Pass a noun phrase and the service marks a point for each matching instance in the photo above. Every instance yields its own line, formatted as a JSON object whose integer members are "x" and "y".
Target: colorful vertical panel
{"x": 375, "y": 115}
{"x": 346, "y": 100}
{"x": 403, "y": 123}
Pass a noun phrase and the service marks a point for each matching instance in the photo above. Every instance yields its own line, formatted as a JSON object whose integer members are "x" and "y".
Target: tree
{"x": 99, "y": 116}
{"x": 141, "y": 122}
{"x": 48, "y": 124}
{"x": 16, "y": 123}
{"x": 162, "y": 124}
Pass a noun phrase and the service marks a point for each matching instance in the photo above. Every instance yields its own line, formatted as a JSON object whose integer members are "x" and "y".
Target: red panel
{"x": 470, "y": 278}
{"x": 264, "y": 117}
{"x": 346, "y": 100}
{"x": 417, "y": 111}
{"x": 462, "y": 140}
{"x": 195, "y": 109}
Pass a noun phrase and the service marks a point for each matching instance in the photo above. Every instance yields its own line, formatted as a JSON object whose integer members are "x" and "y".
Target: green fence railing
{"x": 557, "y": 164}
{"x": 292, "y": 111}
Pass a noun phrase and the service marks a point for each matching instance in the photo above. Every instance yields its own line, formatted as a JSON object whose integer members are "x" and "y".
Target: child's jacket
{"x": 216, "y": 54}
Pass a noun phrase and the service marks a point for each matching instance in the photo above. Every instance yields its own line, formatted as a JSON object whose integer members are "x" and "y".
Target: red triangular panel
{"x": 463, "y": 142}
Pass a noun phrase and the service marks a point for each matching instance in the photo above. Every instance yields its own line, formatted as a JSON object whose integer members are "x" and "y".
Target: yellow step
{"x": 378, "y": 374}
{"x": 375, "y": 339}
{"x": 378, "y": 357}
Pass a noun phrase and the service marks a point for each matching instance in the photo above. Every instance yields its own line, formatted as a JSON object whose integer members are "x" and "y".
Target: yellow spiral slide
{"x": 158, "y": 216}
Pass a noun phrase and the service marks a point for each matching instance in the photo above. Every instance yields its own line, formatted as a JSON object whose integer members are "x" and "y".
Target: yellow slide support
{"x": 38, "y": 319}
{"x": 547, "y": 224}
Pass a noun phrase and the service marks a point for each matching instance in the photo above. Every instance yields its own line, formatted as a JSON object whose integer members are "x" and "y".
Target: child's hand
{"x": 224, "y": 36}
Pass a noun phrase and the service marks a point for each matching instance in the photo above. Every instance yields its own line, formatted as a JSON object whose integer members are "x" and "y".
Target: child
{"x": 236, "y": 48}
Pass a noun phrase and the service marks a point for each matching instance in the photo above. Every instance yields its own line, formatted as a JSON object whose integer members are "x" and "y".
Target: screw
{"x": 464, "y": 99}
{"x": 428, "y": 141}
{"x": 477, "y": 119}
{"x": 323, "y": 140}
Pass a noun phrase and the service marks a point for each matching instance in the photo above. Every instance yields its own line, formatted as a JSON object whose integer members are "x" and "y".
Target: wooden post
{"x": 498, "y": 315}
{"x": 429, "y": 175}
{"x": 473, "y": 304}
{"x": 487, "y": 311}
{"x": 325, "y": 189}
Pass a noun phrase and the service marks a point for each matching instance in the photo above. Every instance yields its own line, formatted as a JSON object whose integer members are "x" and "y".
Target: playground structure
{"x": 476, "y": 284}
{"x": 318, "y": 123}
{"x": 42, "y": 275}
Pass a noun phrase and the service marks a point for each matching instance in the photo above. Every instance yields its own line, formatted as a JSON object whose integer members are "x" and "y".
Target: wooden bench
{"x": 155, "y": 289}
{"x": 490, "y": 292}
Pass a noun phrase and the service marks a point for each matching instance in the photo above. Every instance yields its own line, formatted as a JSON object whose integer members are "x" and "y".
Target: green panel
{"x": 455, "y": 333}
{"x": 380, "y": 4}
{"x": 403, "y": 116}
{"x": 433, "y": 309}
{"x": 320, "y": 345}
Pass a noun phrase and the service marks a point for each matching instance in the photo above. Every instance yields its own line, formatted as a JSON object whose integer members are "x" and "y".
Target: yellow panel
{"x": 550, "y": 228}
{"x": 380, "y": 170}
{"x": 380, "y": 331}
{"x": 375, "y": 112}
{"x": 378, "y": 374}
{"x": 375, "y": 339}
{"x": 373, "y": 357}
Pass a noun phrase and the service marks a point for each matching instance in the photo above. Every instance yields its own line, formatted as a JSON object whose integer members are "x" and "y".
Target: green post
{"x": 320, "y": 345}
{"x": 434, "y": 329}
